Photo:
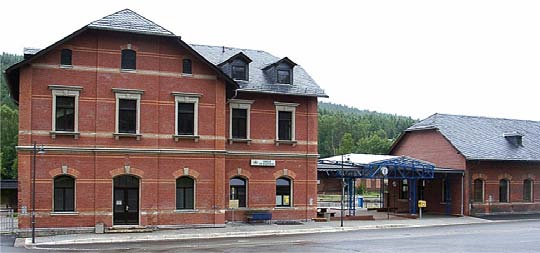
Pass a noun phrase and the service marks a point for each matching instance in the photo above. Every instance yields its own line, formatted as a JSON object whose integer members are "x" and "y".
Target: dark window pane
{"x": 284, "y": 76}
{"x": 404, "y": 193}
{"x": 283, "y": 192}
{"x": 185, "y": 193}
{"x": 127, "y": 116}
{"x": 239, "y": 123}
{"x": 65, "y": 57}
{"x": 186, "y": 118}
{"x": 478, "y": 190}
{"x": 64, "y": 194}
{"x": 527, "y": 190}
{"x": 186, "y": 66}
{"x": 239, "y": 72}
{"x": 129, "y": 59}
{"x": 284, "y": 125}
{"x": 65, "y": 114}
{"x": 503, "y": 190}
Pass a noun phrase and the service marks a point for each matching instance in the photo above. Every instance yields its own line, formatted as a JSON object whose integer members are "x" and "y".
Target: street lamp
{"x": 35, "y": 152}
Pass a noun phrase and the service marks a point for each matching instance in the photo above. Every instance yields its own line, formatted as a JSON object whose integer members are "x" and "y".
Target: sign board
{"x": 233, "y": 203}
{"x": 263, "y": 163}
{"x": 422, "y": 203}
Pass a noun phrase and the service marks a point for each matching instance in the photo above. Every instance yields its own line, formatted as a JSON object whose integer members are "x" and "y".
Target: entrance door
{"x": 126, "y": 200}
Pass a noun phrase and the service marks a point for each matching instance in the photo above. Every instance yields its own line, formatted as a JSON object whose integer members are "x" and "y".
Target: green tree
{"x": 8, "y": 137}
{"x": 347, "y": 144}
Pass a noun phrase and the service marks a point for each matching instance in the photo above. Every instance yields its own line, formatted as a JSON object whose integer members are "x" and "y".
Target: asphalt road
{"x": 516, "y": 236}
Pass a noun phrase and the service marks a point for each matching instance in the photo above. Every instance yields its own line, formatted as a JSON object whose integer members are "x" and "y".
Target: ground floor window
{"x": 478, "y": 191}
{"x": 404, "y": 193}
{"x": 445, "y": 193}
{"x": 283, "y": 192}
{"x": 185, "y": 193}
{"x": 504, "y": 190}
{"x": 64, "y": 194}
{"x": 528, "y": 190}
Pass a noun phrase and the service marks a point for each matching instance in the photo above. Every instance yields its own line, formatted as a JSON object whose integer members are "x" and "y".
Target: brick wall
{"x": 96, "y": 157}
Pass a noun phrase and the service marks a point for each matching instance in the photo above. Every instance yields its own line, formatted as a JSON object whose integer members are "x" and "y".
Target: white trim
{"x": 193, "y": 98}
{"x": 240, "y": 104}
{"x": 286, "y": 107}
{"x": 128, "y": 94}
{"x": 65, "y": 91}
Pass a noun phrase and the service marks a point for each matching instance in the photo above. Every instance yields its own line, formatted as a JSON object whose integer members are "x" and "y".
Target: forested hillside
{"x": 344, "y": 129}
{"x": 9, "y": 121}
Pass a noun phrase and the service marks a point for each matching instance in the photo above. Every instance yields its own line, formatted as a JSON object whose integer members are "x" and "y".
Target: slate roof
{"x": 482, "y": 138}
{"x": 129, "y": 21}
{"x": 258, "y": 81}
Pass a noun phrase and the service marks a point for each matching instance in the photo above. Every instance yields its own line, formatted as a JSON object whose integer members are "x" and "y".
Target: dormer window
{"x": 281, "y": 72}
{"x": 514, "y": 138}
{"x": 129, "y": 59}
{"x": 239, "y": 71}
{"x": 65, "y": 57}
{"x": 284, "y": 76}
{"x": 237, "y": 66}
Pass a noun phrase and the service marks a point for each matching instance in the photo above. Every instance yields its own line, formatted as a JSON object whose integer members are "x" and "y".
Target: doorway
{"x": 126, "y": 200}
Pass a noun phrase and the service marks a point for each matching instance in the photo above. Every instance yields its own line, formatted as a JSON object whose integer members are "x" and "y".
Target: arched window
{"x": 65, "y": 57}
{"x": 186, "y": 66}
{"x": 504, "y": 190}
{"x": 478, "y": 191}
{"x": 238, "y": 190}
{"x": 185, "y": 193}
{"x": 283, "y": 192}
{"x": 528, "y": 190}
{"x": 129, "y": 59}
{"x": 64, "y": 194}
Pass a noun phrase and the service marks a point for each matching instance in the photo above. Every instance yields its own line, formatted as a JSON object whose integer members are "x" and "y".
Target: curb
{"x": 26, "y": 242}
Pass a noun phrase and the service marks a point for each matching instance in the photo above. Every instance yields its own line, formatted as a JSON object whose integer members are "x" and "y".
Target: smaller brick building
{"x": 499, "y": 161}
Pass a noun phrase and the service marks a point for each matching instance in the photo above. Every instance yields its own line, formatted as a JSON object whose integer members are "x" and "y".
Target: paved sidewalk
{"x": 246, "y": 230}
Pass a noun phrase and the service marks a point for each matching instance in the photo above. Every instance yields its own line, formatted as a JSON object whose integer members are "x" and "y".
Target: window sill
{"x": 283, "y": 207}
{"x": 64, "y": 213}
{"x": 186, "y": 75}
{"x": 65, "y": 133}
{"x": 186, "y": 137}
{"x": 66, "y": 66}
{"x": 285, "y": 142}
{"x": 233, "y": 140}
{"x": 128, "y": 70}
{"x": 186, "y": 211}
{"x": 117, "y": 136}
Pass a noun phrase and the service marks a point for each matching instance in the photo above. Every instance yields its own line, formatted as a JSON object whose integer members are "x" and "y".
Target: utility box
{"x": 100, "y": 228}
{"x": 361, "y": 201}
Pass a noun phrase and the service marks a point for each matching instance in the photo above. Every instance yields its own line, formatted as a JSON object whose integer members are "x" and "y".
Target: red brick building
{"x": 140, "y": 128}
{"x": 484, "y": 165}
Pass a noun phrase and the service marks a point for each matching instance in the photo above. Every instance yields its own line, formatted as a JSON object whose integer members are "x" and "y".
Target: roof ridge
{"x": 235, "y": 48}
{"x": 481, "y": 117}
{"x": 120, "y": 21}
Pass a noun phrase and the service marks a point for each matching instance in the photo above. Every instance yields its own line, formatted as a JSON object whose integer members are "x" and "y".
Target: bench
{"x": 264, "y": 217}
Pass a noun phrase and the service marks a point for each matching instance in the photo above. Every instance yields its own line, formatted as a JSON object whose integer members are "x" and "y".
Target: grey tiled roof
{"x": 128, "y": 21}
{"x": 481, "y": 138}
{"x": 303, "y": 84}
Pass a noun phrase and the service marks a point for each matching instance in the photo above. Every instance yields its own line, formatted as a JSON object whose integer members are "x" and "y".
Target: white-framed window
{"x": 285, "y": 122}
{"x": 239, "y": 119}
{"x": 186, "y": 115}
{"x": 65, "y": 110}
{"x": 128, "y": 112}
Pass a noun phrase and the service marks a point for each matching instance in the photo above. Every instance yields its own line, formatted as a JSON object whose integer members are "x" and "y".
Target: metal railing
{"x": 7, "y": 221}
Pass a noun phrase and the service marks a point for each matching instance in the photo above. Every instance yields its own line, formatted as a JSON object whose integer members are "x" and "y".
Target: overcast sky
{"x": 413, "y": 58}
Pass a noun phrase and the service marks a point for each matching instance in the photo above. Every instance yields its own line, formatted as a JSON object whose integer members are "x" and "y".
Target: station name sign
{"x": 263, "y": 163}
